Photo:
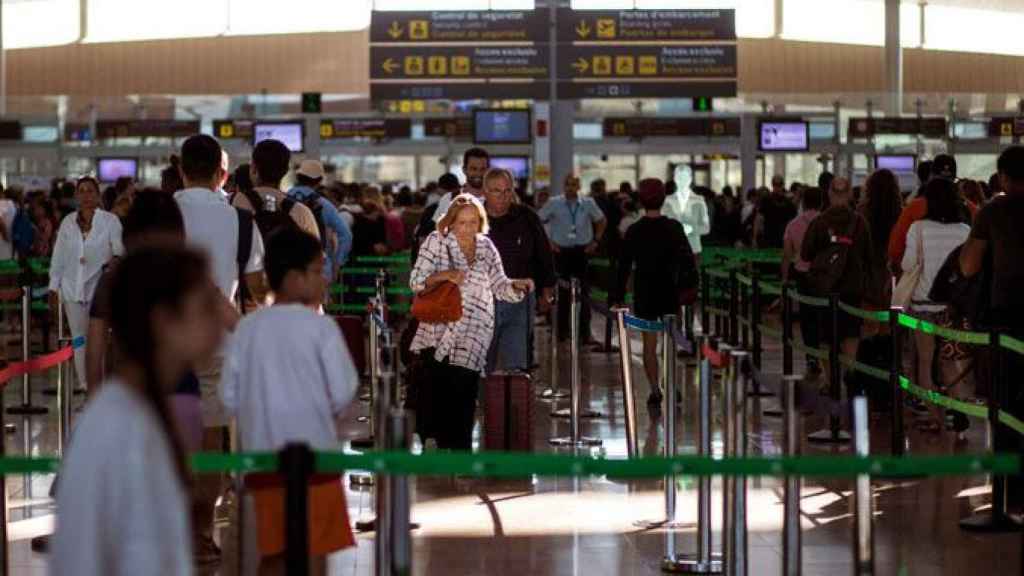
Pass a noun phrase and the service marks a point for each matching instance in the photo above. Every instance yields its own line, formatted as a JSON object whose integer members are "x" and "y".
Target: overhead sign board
{"x": 372, "y": 128}
{"x": 146, "y": 128}
{"x": 460, "y": 128}
{"x": 1006, "y": 126}
{"x": 641, "y": 127}
{"x": 458, "y": 62}
{"x": 645, "y": 25}
{"x": 929, "y": 127}
{"x": 667, "y": 61}
{"x": 458, "y": 72}
{"x": 459, "y": 26}
{"x": 646, "y": 53}
{"x": 233, "y": 129}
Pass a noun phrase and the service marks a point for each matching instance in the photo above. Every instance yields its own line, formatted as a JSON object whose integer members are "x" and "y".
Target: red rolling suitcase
{"x": 508, "y": 412}
{"x": 352, "y": 328}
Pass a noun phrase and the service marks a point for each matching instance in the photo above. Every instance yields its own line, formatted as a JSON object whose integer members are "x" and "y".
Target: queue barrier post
{"x": 552, "y": 392}
{"x": 670, "y": 386}
{"x": 370, "y": 397}
{"x": 899, "y": 439}
{"x": 26, "y": 408}
{"x": 755, "y": 323}
{"x": 739, "y": 553}
{"x": 863, "y": 527}
{"x": 833, "y": 435}
{"x": 575, "y": 413}
{"x": 296, "y": 462}
{"x": 996, "y": 519}
{"x": 393, "y": 539}
{"x": 703, "y": 561}
{"x": 5, "y": 561}
{"x": 626, "y": 373}
{"x": 787, "y": 331}
{"x": 745, "y": 314}
{"x": 791, "y": 534}
{"x": 383, "y": 483}
{"x": 705, "y": 301}
{"x": 733, "y": 328}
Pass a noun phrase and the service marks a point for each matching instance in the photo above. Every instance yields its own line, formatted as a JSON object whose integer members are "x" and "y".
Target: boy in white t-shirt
{"x": 288, "y": 377}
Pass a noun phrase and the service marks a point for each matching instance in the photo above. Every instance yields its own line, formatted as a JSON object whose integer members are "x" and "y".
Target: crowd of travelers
{"x": 202, "y": 305}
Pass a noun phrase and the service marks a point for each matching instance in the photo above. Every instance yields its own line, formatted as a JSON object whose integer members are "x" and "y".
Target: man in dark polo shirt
{"x": 525, "y": 252}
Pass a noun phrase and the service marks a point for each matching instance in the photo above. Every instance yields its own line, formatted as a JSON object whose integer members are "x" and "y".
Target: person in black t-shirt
{"x": 997, "y": 242}
{"x": 658, "y": 247}
{"x": 773, "y": 215}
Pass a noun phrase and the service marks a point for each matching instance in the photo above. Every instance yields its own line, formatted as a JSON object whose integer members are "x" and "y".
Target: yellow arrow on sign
{"x": 581, "y": 65}
{"x": 395, "y": 31}
{"x": 389, "y": 65}
{"x": 583, "y": 29}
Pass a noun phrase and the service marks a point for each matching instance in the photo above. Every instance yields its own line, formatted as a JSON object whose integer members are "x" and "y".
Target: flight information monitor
{"x": 783, "y": 136}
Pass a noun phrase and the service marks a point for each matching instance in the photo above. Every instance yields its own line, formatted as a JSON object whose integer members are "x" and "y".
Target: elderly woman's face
{"x": 467, "y": 223}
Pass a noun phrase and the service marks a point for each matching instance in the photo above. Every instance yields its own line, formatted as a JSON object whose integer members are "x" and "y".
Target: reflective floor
{"x": 591, "y": 526}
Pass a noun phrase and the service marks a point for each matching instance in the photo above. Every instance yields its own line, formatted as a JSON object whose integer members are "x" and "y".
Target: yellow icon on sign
{"x": 602, "y": 65}
{"x": 437, "y": 65}
{"x": 460, "y": 65}
{"x": 619, "y": 129}
{"x": 605, "y": 28}
{"x": 1006, "y": 128}
{"x": 405, "y": 106}
{"x": 414, "y": 65}
{"x": 326, "y": 130}
{"x": 625, "y": 66}
{"x": 395, "y": 30}
{"x": 648, "y": 65}
{"x": 583, "y": 29}
{"x": 226, "y": 130}
{"x": 419, "y": 106}
{"x": 419, "y": 30}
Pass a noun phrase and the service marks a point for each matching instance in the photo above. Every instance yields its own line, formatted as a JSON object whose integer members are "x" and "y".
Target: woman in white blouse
{"x": 929, "y": 242}
{"x": 454, "y": 354}
{"x": 86, "y": 241}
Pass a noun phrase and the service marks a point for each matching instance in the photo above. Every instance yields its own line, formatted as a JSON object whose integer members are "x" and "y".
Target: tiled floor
{"x": 587, "y": 527}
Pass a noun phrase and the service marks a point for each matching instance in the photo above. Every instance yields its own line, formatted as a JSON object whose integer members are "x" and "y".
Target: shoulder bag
{"x": 903, "y": 293}
{"x": 441, "y": 304}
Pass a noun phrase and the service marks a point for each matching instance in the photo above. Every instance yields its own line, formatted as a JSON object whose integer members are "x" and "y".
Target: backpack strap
{"x": 287, "y": 204}
{"x": 255, "y": 200}
{"x": 245, "y": 240}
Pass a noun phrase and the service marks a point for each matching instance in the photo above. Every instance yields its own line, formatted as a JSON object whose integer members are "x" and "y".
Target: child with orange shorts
{"x": 288, "y": 377}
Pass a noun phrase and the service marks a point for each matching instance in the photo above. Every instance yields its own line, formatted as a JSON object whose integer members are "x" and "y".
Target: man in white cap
{"x": 335, "y": 234}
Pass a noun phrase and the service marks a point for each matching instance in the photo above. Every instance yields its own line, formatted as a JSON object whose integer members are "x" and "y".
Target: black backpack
{"x": 829, "y": 265}
{"x": 269, "y": 221}
{"x": 317, "y": 208}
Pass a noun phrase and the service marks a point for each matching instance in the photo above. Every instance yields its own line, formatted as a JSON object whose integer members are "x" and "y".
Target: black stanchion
{"x": 787, "y": 331}
{"x": 733, "y": 336}
{"x": 745, "y": 311}
{"x": 755, "y": 322}
{"x": 899, "y": 440}
{"x": 705, "y": 302}
{"x": 296, "y": 463}
{"x": 835, "y": 373}
{"x": 996, "y": 519}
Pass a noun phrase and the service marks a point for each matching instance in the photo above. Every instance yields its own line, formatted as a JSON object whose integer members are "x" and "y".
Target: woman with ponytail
{"x": 122, "y": 502}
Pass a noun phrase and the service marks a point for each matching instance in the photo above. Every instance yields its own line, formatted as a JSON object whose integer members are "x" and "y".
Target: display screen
{"x": 896, "y": 162}
{"x": 789, "y": 136}
{"x": 519, "y": 166}
{"x": 110, "y": 169}
{"x": 288, "y": 133}
{"x": 501, "y": 127}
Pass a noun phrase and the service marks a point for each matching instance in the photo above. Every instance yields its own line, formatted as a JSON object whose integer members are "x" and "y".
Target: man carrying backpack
{"x": 270, "y": 206}
{"x": 335, "y": 235}
{"x": 838, "y": 246}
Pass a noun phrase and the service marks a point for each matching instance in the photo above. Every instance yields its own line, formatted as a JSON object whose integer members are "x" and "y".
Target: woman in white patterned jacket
{"x": 454, "y": 354}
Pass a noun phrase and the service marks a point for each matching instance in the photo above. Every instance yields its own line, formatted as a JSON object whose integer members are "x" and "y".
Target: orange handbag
{"x": 441, "y": 304}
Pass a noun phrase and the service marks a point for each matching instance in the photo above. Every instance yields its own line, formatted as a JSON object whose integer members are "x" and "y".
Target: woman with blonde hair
{"x": 454, "y": 354}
